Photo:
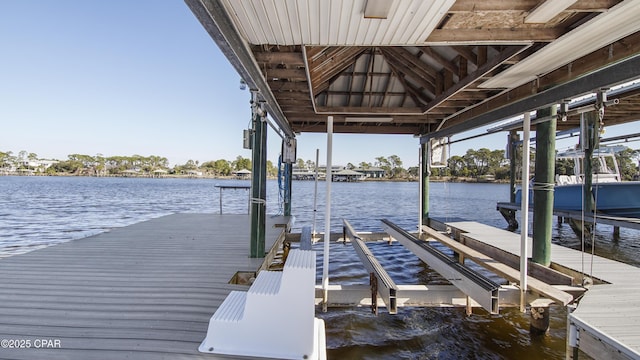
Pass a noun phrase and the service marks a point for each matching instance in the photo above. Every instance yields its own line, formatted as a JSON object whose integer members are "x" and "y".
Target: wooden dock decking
{"x": 608, "y": 313}
{"x": 145, "y": 291}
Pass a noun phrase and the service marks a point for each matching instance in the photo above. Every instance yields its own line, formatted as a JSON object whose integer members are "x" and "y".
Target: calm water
{"x": 40, "y": 211}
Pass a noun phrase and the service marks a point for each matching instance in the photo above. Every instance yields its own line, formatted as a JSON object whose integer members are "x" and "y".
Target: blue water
{"x": 36, "y": 212}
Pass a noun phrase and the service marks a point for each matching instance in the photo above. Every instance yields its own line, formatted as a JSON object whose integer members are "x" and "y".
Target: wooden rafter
{"x": 330, "y": 63}
{"x": 410, "y": 70}
{"x": 439, "y": 59}
{"x": 481, "y": 71}
{"x": 494, "y": 35}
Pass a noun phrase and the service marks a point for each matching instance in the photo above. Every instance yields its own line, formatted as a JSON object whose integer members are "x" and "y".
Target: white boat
{"x": 611, "y": 195}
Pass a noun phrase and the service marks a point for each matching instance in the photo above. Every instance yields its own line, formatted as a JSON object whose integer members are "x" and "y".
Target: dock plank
{"x": 144, "y": 291}
{"x": 609, "y": 312}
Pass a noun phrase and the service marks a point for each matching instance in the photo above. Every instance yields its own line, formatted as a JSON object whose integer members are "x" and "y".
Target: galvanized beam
{"x": 387, "y": 288}
{"x": 476, "y": 286}
{"x": 412, "y": 295}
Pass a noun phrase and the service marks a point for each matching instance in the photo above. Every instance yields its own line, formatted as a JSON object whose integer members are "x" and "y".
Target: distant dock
{"x": 145, "y": 291}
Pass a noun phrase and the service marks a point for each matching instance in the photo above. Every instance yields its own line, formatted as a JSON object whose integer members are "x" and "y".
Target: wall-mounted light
{"x": 243, "y": 84}
{"x": 546, "y": 11}
{"x": 377, "y": 9}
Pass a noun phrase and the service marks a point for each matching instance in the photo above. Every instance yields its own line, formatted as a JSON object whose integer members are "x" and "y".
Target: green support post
{"x": 424, "y": 172}
{"x": 543, "y": 186}
{"x": 288, "y": 174}
{"x": 258, "y": 183}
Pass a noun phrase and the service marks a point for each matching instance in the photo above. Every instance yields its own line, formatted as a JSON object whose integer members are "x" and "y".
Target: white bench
{"x": 275, "y": 318}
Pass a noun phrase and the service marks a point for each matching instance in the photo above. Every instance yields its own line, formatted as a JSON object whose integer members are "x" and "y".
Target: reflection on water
{"x": 40, "y": 211}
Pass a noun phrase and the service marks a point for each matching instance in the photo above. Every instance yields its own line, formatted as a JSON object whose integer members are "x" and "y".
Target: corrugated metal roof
{"x": 334, "y": 22}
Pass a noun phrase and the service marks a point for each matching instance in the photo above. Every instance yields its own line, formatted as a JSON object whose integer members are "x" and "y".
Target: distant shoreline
{"x": 175, "y": 176}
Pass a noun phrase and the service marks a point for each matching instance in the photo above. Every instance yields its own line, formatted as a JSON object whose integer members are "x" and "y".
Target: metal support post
{"x": 258, "y": 180}
{"x": 424, "y": 174}
{"x": 543, "y": 187}
{"x": 288, "y": 174}
{"x": 327, "y": 216}
{"x": 524, "y": 210}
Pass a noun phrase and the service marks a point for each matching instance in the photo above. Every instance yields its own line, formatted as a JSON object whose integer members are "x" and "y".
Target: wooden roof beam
{"x": 331, "y": 64}
{"x": 348, "y": 110}
{"x": 481, "y": 71}
{"x": 293, "y": 86}
{"x": 411, "y": 60}
{"x": 410, "y": 71}
{"x": 467, "y": 53}
{"x": 498, "y": 35}
{"x": 447, "y": 64}
{"x": 290, "y": 58}
{"x": 526, "y": 5}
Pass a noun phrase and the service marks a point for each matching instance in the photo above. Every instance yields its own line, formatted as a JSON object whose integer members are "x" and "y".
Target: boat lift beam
{"x": 384, "y": 285}
{"x": 479, "y": 288}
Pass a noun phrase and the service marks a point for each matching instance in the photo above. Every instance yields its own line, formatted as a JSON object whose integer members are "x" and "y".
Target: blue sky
{"x": 143, "y": 77}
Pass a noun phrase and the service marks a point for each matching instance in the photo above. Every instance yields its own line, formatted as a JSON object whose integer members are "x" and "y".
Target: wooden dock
{"x": 145, "y": 291}
{"x": 607, "y": 316}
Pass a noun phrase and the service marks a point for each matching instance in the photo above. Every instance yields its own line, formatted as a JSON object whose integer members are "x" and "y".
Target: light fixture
{"x": 368, "y": 119}
{"x": 377, "y": 9}
{"x": 619, "y": 21}
{"x": 546, "y": 11}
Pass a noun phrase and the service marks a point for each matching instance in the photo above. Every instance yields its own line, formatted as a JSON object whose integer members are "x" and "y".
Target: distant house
{"x": 243, "y": 174}
{"x": 348, "y": 175}
{"x": 372, "y": 172}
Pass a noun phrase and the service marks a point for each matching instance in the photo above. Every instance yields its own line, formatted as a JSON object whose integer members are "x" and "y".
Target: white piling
{"x": 524, "y": 210}
{"x": 327, "y": 215}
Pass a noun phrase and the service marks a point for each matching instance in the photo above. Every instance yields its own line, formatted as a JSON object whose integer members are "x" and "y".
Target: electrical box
{"x": 289, "y": 151}
{"x": 246, "y": 139}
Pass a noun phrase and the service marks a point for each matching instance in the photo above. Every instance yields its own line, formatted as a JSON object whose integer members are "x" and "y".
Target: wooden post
{"x": 539, "y": 320}
{"x": 258, "y": 181}
{"x": 543, "y": 187}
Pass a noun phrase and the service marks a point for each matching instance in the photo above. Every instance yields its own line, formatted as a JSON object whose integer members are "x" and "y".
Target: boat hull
{"x": 615, "y": 198}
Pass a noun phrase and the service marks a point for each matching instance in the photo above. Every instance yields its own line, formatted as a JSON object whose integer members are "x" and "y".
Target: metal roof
{"x": 430, "y": 67}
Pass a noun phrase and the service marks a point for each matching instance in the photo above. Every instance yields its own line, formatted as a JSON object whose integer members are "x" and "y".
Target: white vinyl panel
{"x": 280, "y": 21}
{"x": 324, "y": 17}
{"x": 266, "y": 19}
{"x": 293, "y": 14}
{"x": 313, "y": 16}
{"x": 418, "y": 12}
{"x": 334, "y": 22}
{"x": 369, "y": 37}
{"x": 305, "y": 22}
{"x": 394, "y": 24}
{"x": 243, "y": 22}
{"x": 362, "y": 28}
{"x": 348, "y": 18}
{"x": 257, "y": 35}
{"x": 435, "y": 14}
{"x": 404, "y": 14}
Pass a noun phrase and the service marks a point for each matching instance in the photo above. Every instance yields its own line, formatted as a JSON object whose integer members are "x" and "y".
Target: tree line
{"x": 473, "y": 164}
